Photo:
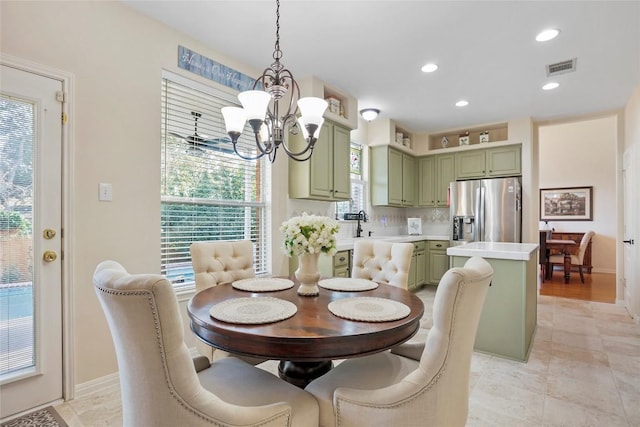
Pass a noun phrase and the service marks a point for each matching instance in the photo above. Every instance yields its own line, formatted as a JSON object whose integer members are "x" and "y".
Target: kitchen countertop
{"x": 497, "y": 250}
{"x": 347, "y": 244}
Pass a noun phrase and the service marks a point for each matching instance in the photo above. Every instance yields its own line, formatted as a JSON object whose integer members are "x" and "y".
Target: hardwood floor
{"x": 599, "y": 287}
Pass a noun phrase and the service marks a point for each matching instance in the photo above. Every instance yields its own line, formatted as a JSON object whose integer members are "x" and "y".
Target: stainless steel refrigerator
{"x": 486, "y": 210}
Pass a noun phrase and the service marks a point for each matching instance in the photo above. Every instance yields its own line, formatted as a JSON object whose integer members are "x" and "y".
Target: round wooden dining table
{"x": 308, "y": 342}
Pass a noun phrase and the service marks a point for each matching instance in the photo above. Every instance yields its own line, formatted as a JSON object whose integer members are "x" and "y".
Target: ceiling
{"x": 486, "y": 52}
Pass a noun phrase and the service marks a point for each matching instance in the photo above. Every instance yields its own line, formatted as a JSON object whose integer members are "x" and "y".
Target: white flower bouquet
{"x": 309, "y": 234}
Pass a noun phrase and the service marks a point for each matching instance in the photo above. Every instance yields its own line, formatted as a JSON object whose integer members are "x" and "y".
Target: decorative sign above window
{"x": 212, "y": 70}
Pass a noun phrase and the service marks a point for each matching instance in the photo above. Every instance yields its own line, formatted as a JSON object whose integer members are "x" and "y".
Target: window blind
{"x": 208, "y": 192}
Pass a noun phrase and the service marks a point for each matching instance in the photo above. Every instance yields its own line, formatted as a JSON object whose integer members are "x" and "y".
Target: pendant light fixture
{"x": 262, "y": 108}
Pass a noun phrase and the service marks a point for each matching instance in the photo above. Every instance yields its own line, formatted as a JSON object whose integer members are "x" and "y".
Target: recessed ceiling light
{"x": 462, "y": 103}
{"x": 547, "y": 35}
{"x": 429, "y": 68}
{"x": 550, "y": 85}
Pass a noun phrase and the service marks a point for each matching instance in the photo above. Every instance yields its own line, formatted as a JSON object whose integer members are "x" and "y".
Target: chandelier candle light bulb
{"x": 307, "y": 236}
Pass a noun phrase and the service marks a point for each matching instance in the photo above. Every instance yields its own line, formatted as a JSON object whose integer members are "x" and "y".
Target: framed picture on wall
{"x": 566, "y": 204}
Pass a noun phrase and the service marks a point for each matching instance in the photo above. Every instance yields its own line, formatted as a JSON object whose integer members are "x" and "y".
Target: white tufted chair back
{"x": 383, "y": 262}
{"x": 159, "y": 384}
{"x": 221, "y": 262}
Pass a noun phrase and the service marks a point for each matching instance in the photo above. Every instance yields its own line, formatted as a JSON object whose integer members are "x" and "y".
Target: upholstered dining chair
{"x": 382, "y": 261}
{"x": 576, "y": 259}
{"x": 432, "y": 389}
{"x": 159, "y": 382}
{"x": 217, "y": 262}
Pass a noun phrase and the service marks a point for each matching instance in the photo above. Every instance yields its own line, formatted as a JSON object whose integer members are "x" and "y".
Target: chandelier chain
{"x": 277, "y": 53}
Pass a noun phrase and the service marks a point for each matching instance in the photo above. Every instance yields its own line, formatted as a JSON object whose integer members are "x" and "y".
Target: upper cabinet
{"x": 434, "y": 175}
{"x": 489, "y": 163}
{"x": 392, "y": 177}
{"x": 325, "y": 176}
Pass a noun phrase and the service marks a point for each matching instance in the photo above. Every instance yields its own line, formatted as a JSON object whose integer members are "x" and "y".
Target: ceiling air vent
{"x": 562, "y": 67}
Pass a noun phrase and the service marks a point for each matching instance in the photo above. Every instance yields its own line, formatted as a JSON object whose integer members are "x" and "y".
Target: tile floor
{"x": 583, "y": 370}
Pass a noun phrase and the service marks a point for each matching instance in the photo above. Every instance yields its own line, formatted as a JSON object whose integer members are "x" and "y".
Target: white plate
{"x": 253, "y": 310}
{"x": 347, "y": 284}
{"x": 263, "y": 284}
{"x": 369, "y": 309}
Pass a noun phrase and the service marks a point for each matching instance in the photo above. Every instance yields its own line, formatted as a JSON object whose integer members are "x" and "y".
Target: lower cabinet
{"x": 438, "y": 260}
{"x": 418, "y": 267}
{"x": 338, "y": 265}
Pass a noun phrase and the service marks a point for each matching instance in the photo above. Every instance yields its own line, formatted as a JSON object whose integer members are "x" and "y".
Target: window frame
{"x": 259, "y": 231}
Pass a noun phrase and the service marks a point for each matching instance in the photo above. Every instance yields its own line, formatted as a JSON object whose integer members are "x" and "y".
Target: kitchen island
{"x": 509, "y": 316}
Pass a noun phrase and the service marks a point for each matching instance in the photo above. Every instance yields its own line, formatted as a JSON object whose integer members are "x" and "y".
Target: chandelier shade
{"x": 272, "y": 112}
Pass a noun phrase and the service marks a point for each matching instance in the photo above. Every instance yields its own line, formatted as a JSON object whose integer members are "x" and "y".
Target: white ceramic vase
{"x": 308, "y": 274}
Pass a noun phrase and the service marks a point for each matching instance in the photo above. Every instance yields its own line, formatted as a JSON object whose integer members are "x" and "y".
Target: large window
{"x": 208, "y": 192}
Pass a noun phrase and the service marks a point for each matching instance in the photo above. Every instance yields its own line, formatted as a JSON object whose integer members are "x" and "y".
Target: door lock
{"x": 49, "y": 233}
{"x": 49, "y": 256}
{"x": 630, "y": 241}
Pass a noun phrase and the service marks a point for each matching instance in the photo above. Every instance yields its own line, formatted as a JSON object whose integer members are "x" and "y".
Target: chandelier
{"x": 262, "y": 108}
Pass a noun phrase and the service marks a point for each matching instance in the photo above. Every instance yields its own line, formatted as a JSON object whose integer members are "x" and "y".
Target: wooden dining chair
{"x": 544, "y": 253}
{"x": 160, "y": 384}
{"x": 382, "y": 261}
{"x": 576, "y": 259}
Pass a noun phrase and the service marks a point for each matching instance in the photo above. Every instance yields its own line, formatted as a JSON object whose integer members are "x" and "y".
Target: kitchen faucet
{"x": 362, "y": 214}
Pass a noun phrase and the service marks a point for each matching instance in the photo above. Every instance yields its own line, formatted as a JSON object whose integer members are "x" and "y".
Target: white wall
{"x": 116, "y": 56}
{"x": 632, "y": 139}
{"x": 579, "y": 154}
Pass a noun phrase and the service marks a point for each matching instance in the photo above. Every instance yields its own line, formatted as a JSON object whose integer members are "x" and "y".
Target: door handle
{"x": 630, "y": 241}
{"x": 49, "y": 256}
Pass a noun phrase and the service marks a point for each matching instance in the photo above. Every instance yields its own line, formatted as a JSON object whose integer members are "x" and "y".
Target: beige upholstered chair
{"x": 220, "y": 262}
{"x": 382, "y": 261}
{"x": 160, "y": 386}
{"x": 576, "y": 259}
{"x": 387, "y": 389}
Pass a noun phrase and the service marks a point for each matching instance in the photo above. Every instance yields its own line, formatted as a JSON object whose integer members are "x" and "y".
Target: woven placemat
{"x": 347, "y": 284}
{"x": 262, "y": 284}
{"x": 369, "y": 309}
{"x": 253, "y": 310}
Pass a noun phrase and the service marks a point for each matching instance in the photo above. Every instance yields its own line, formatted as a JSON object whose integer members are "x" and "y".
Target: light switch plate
{"x": 106, "y": 192}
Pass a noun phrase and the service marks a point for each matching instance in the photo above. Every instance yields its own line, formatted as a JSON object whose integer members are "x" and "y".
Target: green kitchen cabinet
{"x": 438, "y": 261}
{"x": 445, "y": 173}
{"x": 338, "y": 265}
{"x": 504, "y": 161}
{"x": 392, "y": 177}
{"x": 427, "y": 181}
{"x": 418, "y": 266}
{"x": 325, "y": 176}
{"x": 489, "y": 163}
{"x": 509, "y": 315}
{"x": 434, "y": 175}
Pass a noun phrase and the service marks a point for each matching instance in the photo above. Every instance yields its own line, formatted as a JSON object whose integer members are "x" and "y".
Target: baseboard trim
{"x": 108, "y": 381}
{"x": 603, "y": 270}
{"x": 98, "y": 384}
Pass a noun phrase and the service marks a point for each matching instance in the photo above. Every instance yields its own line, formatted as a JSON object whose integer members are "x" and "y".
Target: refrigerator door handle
{"x": 479, "y": 225}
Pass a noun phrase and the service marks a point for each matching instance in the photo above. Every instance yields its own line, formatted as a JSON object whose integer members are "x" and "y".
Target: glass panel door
{"x": 30, "y": 241}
